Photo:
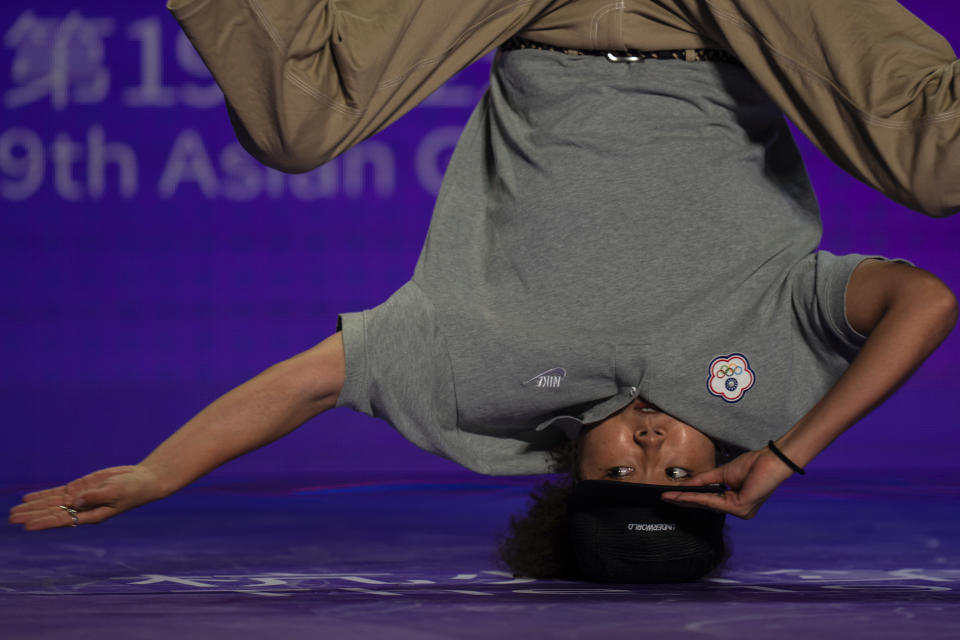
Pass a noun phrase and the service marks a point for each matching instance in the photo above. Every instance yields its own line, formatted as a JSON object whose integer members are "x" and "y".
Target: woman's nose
{"x": 649, "y": 437}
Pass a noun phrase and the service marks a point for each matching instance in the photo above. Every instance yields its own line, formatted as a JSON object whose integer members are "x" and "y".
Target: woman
{"x": 561, "y": 296}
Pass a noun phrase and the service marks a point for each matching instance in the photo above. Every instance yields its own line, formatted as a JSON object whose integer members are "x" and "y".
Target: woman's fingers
{"x": 41, "y": 503}
{"x": 59, "y": 518}
{"x": 48, "y": 519}
{"x": 38, "y": 508}
{"x": 713, "y": 476}
{"x": 40, "y": 495}
{"x": 727, "y": 503}
{"x": 44, "y": 518}
{"x": 78, "y": 485}
{"x": 752, "y": 477}
{"x": 91, "y": 499}
{"x": 53, "y": 516}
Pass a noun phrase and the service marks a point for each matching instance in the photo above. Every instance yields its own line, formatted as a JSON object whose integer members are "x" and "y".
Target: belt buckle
{"x": 613, "y": 57}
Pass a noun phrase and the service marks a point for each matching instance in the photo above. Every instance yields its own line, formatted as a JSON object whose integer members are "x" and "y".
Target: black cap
{"x": 624, "y": 532}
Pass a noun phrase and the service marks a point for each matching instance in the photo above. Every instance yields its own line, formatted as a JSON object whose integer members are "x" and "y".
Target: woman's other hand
{"x": 95, "y": 497}
{"x": 751, "y": 478}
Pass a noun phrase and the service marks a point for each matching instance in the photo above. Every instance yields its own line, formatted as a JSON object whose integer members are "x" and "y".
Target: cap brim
{"x": 632, "y": 493}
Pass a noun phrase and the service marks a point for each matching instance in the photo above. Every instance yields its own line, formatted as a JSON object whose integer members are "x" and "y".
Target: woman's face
{"x": 643, "y": 444}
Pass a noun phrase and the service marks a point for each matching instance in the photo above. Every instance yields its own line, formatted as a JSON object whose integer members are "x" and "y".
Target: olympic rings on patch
{"x": 727, "y": 370}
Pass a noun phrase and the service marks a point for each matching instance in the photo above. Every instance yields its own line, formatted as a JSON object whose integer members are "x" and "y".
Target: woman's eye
{"x": 620, "y": 472}
{"x": 676, "y": 473}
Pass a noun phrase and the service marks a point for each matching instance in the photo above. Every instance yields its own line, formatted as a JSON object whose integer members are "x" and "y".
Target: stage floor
{"x": 863, "y": 555}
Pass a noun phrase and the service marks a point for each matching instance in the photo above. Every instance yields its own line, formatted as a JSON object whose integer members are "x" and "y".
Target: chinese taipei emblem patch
{"x": 730, "y": 377}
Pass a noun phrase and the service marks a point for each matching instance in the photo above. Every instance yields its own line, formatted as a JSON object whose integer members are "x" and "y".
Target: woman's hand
{"x": 257, "y": 412}
{"x": 752, "y": 477}
{"x": 96, "y": 497}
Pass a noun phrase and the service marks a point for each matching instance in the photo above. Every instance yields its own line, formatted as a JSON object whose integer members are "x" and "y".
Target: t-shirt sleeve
{"x": 833, "y": 277}
{"x": 820, "y": 301}
{"x": 398, "y": 369}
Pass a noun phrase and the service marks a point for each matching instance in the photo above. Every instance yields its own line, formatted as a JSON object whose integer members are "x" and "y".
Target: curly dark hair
{"x": 537, "y": 544}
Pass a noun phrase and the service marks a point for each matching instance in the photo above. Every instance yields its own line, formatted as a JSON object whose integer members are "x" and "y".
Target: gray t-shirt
{"x": 607, "y": 231}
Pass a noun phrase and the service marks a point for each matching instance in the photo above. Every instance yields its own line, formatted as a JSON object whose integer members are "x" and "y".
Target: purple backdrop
{"x": 150, "y": 264}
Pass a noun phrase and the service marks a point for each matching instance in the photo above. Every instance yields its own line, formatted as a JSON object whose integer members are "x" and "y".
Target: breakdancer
{"x": 621, "y": 278}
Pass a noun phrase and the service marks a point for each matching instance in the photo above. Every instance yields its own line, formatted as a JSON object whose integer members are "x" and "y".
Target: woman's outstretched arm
{"x": 907, "y": 313}
{"x": 248, "y": 417}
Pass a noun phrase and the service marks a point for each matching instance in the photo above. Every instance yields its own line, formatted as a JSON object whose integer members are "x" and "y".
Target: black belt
{"x": 688, "y": 55}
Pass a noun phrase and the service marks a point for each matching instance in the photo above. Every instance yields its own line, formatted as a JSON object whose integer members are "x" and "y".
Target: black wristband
{"x": 787, "y": 461}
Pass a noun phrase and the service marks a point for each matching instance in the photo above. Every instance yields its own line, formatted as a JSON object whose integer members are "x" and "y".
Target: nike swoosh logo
{"x": 549, "y": 379}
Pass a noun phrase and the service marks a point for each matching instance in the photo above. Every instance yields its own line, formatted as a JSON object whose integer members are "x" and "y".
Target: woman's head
{"x": 641, "y": 445}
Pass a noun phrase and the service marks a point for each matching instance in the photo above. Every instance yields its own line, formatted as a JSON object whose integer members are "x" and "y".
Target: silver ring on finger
{"x": 72, "y": 513}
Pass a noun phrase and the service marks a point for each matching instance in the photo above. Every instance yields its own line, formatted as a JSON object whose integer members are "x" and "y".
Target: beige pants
{"x": 307, "y": 79}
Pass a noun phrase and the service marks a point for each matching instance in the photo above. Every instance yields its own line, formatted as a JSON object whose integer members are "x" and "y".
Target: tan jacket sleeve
{"x": 307, "y": 79}
{"x": 869, "y": 83}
